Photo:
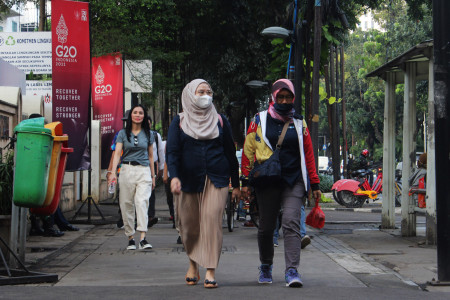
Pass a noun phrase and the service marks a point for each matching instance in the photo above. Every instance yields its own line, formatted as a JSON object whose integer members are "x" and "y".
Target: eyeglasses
{"x": 283, "y": 97}
{"x": 135, "y": 141}
{"x": 205, "y": 92}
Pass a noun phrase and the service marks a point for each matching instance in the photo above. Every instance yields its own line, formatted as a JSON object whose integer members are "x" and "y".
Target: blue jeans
{"x": 240, "y": 211}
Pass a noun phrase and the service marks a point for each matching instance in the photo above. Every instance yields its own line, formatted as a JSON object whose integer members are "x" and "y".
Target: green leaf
{"x": 277, "y": 41}
{"x": 322, "y": 93}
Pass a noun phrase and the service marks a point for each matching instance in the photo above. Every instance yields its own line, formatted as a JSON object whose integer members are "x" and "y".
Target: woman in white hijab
{"x": 201, "y": 160}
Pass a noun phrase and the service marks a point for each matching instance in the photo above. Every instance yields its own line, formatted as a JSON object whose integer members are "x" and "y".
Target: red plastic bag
{"x": 316, "y": 218}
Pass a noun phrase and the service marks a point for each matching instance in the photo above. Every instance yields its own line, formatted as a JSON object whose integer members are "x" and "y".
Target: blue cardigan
{"x": 191, "y": 160}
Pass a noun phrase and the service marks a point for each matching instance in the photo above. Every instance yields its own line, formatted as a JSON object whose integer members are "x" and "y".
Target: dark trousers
{"x": 270, "y": 200}
{"x": 169, "y": 197}
{"x": 59, "y": 218}
{"x": 151, "y": 206}
{"x": 152, "y": 201}
{"x": 49, "y": 221}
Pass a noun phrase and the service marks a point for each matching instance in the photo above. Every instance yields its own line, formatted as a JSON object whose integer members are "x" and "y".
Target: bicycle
{"x": 250, "y": 207}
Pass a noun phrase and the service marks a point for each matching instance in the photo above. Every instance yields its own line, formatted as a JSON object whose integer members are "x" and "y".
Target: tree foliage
{"x": 220, "y": 41}
{"x": 216, "y": 40}
{"x": 366, "y": 51}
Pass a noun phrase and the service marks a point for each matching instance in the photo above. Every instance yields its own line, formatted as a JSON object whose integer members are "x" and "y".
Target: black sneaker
{"x": 131, "y": 245}
{"x": 143, "y": 244}
{"x": 306, "y": 240}
{"x": 53, "y": 232}
{"x": 152, "y": 221}
{"x": 36, "y": 232}
{"x": 120, "y": 224}
{"x": 179, "y": 240}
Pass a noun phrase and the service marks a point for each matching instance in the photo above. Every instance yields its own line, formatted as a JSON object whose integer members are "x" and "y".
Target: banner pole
{"x": 89, "y": 198}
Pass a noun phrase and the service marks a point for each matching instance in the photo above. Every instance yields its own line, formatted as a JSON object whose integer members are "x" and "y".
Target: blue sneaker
{"x": 293, "y": 278}
{"x": 265, "y": 274}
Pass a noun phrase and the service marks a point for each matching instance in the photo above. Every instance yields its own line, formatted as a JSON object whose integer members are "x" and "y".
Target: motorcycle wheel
{"x": 336, "y": 198}
{"x": 349, "y": 200}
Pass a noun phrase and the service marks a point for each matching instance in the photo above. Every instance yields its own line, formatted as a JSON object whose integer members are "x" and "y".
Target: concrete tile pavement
{"x": 340, "y": 265}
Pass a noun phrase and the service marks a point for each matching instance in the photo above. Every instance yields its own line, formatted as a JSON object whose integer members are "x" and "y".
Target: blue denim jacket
{"x": 191, "y": 160}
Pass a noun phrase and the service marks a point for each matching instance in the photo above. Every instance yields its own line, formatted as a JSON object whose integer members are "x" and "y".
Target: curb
{"x": 366, "y": 210}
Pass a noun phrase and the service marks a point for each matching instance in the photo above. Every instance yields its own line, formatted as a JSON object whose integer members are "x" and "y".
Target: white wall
{"x": 366, "y": 22}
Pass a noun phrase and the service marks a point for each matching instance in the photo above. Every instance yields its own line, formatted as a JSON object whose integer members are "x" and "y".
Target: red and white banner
{"x": 107, "y": 99}
{"x": 71, "y": 61}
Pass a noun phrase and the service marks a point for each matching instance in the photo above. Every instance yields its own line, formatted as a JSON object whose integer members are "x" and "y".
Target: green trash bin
{"x": 32, "y": 156}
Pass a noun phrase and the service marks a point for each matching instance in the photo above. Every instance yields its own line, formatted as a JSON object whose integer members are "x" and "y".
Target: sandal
{"x": 210, "y": 284}
{"x": 192, "y": 280}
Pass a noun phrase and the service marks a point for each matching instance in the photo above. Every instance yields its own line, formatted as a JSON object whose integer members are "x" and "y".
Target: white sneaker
{"x": 144, "y": 244}
{"x": 131, "y": 245}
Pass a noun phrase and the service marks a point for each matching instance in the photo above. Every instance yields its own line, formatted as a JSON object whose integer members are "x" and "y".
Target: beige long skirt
{"x": 199, "y": 219}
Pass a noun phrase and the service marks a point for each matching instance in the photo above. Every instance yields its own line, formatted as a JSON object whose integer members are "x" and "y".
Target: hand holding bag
{"x": 268, "y": 172}
{"x": 316, "y": 218}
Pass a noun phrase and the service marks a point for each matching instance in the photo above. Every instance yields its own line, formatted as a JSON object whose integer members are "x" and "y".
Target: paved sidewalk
{"x": 93, "y": 263}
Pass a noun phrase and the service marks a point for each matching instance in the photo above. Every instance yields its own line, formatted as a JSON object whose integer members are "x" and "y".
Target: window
{"x": 28, "y": 27}
{"x": 14, "y": 26}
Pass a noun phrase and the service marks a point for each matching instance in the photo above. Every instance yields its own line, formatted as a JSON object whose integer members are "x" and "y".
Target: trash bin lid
{"x": 32, "y": 125}
{"x": 55, "y": 127}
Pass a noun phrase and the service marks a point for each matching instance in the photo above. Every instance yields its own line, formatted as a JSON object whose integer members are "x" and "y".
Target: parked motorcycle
{"x": 353, "y": 193}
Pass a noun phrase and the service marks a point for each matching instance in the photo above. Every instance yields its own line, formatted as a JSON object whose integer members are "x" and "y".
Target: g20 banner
{"x": 107, "y": 99}
{"x": 71, "y": 61}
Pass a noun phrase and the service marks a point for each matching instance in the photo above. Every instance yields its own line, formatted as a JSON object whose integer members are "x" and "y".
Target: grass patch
{"x": 325, "y": 199}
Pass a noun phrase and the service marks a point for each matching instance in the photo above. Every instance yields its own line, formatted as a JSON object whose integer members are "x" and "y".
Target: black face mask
{"x": 283, "y": 108}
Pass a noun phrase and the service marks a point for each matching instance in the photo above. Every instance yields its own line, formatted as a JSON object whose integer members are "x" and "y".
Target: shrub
{"x": 326, "y": 182}
{"x": 6, "y": 183}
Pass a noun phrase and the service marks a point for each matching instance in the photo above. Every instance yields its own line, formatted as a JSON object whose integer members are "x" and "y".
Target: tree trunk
{"x": 327, "y": 88}
{"x": 42, "y": 15}
{"x": 344, "y": 120}
{"x": 316, "y": 74}
{"x": 336, "y": 144}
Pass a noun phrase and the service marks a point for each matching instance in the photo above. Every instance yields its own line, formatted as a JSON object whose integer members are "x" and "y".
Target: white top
{"x": 159, "y": 152}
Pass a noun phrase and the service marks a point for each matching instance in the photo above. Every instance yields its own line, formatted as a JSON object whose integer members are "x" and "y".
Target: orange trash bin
{"x": 50, "y": 209}
{"x": 58, "y": 139}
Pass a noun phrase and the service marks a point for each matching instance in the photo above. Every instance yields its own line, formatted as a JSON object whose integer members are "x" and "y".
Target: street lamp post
{"x": 297, "y": 49}
{"x": 254, "y": 84}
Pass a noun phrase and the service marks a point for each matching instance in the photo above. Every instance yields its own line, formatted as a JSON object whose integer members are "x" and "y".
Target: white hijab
{"x": 199, "y": 123}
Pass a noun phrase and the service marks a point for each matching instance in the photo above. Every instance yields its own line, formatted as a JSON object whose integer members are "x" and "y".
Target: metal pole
{"x": 14, "y": 233}
{"x": 298, "y": 68}
{"x": 22, "y": 232}
{"x": 441, "y": 49}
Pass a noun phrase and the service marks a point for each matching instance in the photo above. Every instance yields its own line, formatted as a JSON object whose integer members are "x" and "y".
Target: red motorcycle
{"x": 353, "y": 193}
